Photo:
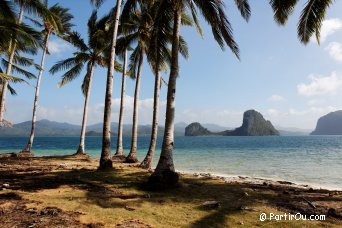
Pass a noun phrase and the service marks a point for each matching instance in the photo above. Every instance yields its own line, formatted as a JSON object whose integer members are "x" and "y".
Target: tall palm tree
{"x": 311, "y": 18}
{"x": 119, "y": 146}
{"x": 26, "y": 40}
{"x": 57, "y": 24}
{"x": 213, "y": 12}
{"x": 106, "y": 155}
{"x": 33, "y": 7}
{"x": 91, "y": 54}
{"x": 138, "y": 26}
{"x": 158, "y": 57}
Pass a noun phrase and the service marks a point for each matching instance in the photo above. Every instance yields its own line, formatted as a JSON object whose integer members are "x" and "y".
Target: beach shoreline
{"x": 229, "y": 178}
{"x": 74, "y": 191}
{"x": 243, "y": 179}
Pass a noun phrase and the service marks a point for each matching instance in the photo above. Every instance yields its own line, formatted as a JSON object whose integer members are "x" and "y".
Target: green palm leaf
{"x": 311, "y": 19}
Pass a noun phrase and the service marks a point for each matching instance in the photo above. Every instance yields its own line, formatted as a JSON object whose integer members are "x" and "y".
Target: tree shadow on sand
{"x": 103, "y": 187}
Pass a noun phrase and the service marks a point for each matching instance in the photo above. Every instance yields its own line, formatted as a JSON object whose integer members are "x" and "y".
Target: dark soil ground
{"x": 34, "y": 192}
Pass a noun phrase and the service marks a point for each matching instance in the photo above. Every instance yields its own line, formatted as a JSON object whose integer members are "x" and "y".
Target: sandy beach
{"x": 69, "y": 191}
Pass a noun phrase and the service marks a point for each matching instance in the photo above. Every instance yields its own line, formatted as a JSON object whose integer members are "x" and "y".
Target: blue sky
{"x": 292, "y": 85}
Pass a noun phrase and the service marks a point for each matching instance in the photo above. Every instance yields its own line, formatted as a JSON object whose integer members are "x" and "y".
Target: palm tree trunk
{"x": 81, "y": 148}
{"x": 8, "y": 70}
{"x": 119, "y": 149}
{"x": 106, "y": 158}
{"x": 147, "y": 162}
{"x": 164, "y": 174}
{"x": 35, "y": 105}
{"x": 132, "y": 156}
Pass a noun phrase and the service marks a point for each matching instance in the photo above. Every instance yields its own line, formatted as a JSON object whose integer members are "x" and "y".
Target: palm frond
{"x": 7, "y": 10}
{"x": 245, "y": 9}
{"x": 75, "y": 39}
{"x": 63, "y": 65}
{"x": 282, "y": 10}
{"x": 70, "y": 75}
{"x": 11, "y": 78}
{"x": 183, "y": 48}
{"x": 97, "y": 3}
{"x": 195, "y": 19}
{"x": 134, "y": 61}
{"x": 17, "y": 69}
{"x": 213, "y": 13}
{"x": 311, "y": 19}
{"x": 11, "y": 90}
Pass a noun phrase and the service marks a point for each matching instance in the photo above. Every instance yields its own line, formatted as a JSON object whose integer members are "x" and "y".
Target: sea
{"x": 312, "y": 160}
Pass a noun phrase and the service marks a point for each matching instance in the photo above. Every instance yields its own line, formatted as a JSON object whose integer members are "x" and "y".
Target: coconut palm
{"x": 311, "y": 18}
{"x": 35, "y": 7}
{"x": 27, "y": 41}
{"x": 6, "y": 10}
{"x": 91, "y": 54}
{"x": 213, "y": 12}
{"x": 158, "y": 57}
{"x": 106, "y": 155}
{"x": 138, "y": 26}
{"x": 119, "y": 146}
{"x": 57, "y": 24}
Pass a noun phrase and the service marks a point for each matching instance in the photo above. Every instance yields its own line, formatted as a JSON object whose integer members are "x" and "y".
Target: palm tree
{"x": 91, "y": 54}
{"x": 311, "y": 18}
{"x": 137, "y": 27}
{"x": 33, "y": 7}
{"x": 59, "y": 24}
{"x": 106, "y": 157}
{"x": 213, "y": 13}
{"x": 119, "y": 146}
{"x": 27, "y": 41}
{"x": 158, "y": 57}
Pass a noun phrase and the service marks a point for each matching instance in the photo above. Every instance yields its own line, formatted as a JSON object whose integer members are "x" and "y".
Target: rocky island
{"x": 330, "y": 124}
{"x": 253, "y": 124}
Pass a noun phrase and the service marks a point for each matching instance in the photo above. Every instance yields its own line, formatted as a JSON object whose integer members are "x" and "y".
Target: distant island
{"x": 47, "y": 128}
{"x": 330, "y": 124}
{"x": 253, "y": 124}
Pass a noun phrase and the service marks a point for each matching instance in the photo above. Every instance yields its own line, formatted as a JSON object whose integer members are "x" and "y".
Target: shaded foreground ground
{"x": 70, "y": 192}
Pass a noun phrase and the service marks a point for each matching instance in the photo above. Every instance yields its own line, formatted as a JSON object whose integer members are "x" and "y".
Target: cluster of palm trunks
{"x": 146, "y": 30}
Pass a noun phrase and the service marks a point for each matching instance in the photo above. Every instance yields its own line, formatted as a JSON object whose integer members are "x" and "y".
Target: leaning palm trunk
{"x": 81, "y": 147}
{"x": 35, "y": 105}
{"x": 147, "y": 162}
{"x": 132, "y": 156}
{"x": 164, "y": 174}
{"x": 8, "y": 70}
{"x": 119, "y": 149}
{"x": 106, "y": 160}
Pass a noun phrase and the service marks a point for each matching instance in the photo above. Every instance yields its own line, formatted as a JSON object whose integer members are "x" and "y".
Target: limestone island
{"x": 253, "y": 124}
{"x": 330, "y": 124}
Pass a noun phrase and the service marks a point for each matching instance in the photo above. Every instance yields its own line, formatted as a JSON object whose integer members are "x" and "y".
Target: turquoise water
{"x": 313, "y": 160}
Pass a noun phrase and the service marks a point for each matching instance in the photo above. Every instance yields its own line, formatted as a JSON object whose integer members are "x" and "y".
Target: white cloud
{"x": 273, "y": 112}
{"x": 226, "y": 118}
{"x": 316, "y": 102}
{"x": 335, "y": 50}
{"x": 95, "y": 112}
{"x": 321, "y": 85}
{"x": 329, "y": 27}
{"x": 58, "y": 46}
{"x": 19, "y": 111}
{"x": 276, "y": 98}
{"x": 304, "y": 118}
